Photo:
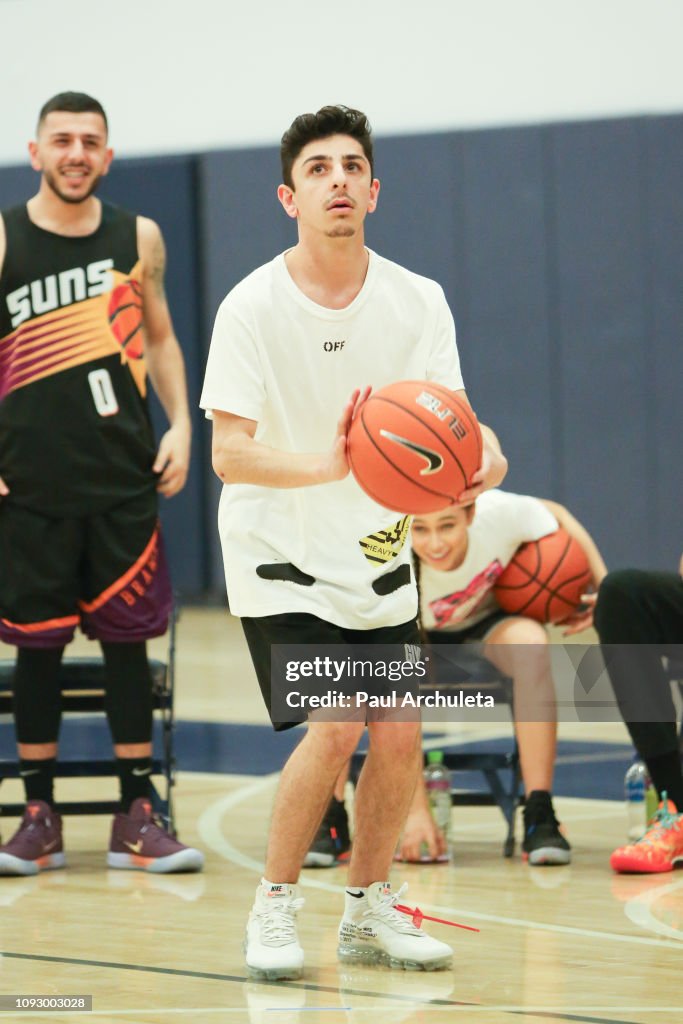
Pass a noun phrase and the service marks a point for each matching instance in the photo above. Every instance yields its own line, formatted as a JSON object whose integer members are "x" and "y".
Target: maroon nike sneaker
{"x": 139, "y": 842}
{"x": 37, "y": 843}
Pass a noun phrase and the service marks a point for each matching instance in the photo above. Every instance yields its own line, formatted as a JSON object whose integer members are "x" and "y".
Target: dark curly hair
{"x": 330, "y": 120}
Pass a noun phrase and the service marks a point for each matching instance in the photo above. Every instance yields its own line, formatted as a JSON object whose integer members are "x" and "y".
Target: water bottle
{"x": 438, "y": 786}
{"x": 636, "y": 784}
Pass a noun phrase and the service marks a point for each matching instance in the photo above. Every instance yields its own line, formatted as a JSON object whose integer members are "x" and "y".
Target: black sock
{"x": 38, "y": 778}
{"x": 543, "y": 796}
{"x": 665, "y": 772}
{"x": 134, "y": 776}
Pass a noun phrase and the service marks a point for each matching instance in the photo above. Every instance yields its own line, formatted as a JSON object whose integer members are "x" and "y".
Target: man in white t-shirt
{"x": 460, "y": 553}
{"x": 291, "y": 341}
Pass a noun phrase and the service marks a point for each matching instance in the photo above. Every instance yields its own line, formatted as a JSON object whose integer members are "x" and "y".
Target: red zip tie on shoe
{"x": 418, "y": 917}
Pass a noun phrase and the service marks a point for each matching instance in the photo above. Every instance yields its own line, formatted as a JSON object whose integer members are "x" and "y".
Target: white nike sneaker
{"x": 271, "y": 944}
{"x": 372, "y": 931}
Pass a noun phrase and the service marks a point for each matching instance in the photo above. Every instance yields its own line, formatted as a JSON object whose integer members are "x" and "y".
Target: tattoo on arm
{"x": 158, "y": 266}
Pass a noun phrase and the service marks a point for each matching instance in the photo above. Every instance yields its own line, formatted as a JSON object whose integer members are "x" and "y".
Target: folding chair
{"x": 82, "y": 685}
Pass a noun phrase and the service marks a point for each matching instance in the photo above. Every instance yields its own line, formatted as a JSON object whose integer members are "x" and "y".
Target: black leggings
{"x": 127, "y": 695}
{"x": 644, "y": 612}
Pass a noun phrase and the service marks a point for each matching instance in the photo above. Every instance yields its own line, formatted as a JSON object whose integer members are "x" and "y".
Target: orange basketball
{"x": 125, "y": 317}
{"x": 414, "y": 446}
{"x": 545, "y": 579}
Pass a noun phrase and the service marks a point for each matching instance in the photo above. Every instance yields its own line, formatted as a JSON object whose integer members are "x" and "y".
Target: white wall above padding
{"x": 179, "y": 75}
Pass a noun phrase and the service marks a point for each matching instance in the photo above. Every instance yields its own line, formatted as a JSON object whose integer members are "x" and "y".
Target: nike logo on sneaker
{"x": 135, "y": 847}
{"x": 48, "y": 846}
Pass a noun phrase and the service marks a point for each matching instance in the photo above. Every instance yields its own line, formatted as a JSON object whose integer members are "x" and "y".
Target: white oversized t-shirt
{"x": 279, "y": 358}
{"x": 457, "y": 599}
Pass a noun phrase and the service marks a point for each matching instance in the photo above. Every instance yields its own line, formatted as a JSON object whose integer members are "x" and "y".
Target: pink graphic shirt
{"x": 461, "y": 597}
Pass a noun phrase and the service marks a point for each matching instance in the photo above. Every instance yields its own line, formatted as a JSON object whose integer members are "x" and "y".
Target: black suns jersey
{"x": 75, "y": 433}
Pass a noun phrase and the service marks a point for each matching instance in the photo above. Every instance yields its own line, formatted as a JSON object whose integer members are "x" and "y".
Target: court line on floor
{"x": 392, "y": 998}
{"x": 211, "y": 833}
{"x": 575, "y": 1015}
{"x": 639, "y": 910}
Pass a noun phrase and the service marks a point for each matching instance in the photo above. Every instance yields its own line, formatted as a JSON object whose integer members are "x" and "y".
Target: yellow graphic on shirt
{"x": 384, "y": 545}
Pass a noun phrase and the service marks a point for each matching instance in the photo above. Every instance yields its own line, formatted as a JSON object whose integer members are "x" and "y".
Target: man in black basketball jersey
{"x": 82, "y": 306}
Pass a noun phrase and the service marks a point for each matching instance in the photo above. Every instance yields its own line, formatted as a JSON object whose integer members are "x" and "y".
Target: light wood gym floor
{"x": 573, "y": 943}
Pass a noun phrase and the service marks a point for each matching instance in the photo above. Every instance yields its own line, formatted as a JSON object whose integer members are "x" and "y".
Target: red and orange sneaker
{"x": 660, "y": 849}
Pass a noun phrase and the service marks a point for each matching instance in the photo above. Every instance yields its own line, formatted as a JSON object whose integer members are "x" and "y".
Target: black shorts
{"x": 106, "y": 572}
{"x": 449, "y": 666}
{"x": 303, "y": 628}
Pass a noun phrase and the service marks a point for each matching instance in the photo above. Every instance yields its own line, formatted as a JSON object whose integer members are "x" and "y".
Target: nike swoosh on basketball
{"x": 433, "y": 459}
{"x": 135, "y": 847}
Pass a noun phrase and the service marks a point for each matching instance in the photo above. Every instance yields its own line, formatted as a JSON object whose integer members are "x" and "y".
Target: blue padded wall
{"x": 242, "y": 222}
{"x": 508, "y": 342}
{"x": 663, "y": 226}
{"x": 16, "y": 185}
{"x": 604, "y": 375}
{"x": 242, "y": 227}
{"x": 417, "y": 221}
{"x": 468, "y": 210}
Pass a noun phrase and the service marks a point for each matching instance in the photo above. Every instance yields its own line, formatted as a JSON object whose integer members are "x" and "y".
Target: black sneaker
{"x": 543, "y": 841}
{"x": 332, "y": 842}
